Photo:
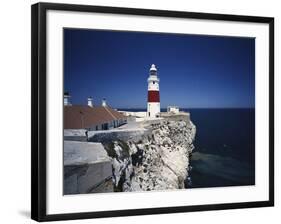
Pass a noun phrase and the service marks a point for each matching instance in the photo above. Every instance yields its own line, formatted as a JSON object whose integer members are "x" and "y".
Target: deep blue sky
{"x": 195, "y": 71}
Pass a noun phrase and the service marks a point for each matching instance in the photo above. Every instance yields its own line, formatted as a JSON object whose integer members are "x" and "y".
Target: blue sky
{"x": 195, "y": 71}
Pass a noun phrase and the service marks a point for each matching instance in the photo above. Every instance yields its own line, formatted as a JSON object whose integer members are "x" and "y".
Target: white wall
{"x": 153, "y": 83}
{"x": 15, "y": 80}
{"x": 153, "y": 109}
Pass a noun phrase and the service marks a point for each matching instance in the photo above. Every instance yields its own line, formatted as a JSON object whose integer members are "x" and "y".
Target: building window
{"x": 105, "y": 126}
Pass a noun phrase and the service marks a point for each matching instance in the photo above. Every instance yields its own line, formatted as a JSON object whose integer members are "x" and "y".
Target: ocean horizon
{"x": 134, "y": 109}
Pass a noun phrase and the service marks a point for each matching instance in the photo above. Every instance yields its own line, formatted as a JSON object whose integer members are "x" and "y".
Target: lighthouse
{"x": 153, "y": 99}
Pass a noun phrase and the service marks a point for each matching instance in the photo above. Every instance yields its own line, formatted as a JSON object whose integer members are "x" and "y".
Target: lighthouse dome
{"x": 153, "y": 68}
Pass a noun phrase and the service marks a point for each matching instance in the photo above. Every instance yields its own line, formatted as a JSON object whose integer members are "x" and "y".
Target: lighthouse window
{"x": 153, "y": 82}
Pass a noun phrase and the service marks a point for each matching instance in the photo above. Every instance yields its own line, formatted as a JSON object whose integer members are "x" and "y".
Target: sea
{"x": 224, "y": 153}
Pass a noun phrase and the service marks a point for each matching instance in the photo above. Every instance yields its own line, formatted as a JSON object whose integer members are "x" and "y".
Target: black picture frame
{"x": 39, "y": 122}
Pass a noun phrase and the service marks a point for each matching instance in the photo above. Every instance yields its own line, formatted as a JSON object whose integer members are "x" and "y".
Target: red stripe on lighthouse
{"x": 153, "y": 96}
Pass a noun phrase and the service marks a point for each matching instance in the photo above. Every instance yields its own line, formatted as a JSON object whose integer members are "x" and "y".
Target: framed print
{"x": 138, "y": 111}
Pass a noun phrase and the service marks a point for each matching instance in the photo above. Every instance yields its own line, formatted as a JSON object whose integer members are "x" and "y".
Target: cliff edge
{"x": 159, "y": 161}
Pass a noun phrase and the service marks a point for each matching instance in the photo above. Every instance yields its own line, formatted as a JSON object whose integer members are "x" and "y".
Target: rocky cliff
{"x": 158, "y": 161}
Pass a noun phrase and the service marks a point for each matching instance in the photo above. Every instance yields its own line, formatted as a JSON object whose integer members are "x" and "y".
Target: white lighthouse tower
{"x": 153, "y": 99}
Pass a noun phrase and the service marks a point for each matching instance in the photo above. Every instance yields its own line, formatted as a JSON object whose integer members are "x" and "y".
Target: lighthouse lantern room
{"x": 153, "y": 99}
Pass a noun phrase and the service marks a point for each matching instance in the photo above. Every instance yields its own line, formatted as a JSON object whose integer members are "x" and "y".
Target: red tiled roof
{"x": 77, "y": 117}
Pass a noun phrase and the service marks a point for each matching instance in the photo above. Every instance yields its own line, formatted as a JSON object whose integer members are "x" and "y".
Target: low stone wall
{"x": 75, "y": 135}
{"x": 75, "y": 138}
{"x": 148, "y": 122}
{"x": 88, "y": 178}
{"x": 87, "y": 168}
{"x": 182, "y": 116}
{"x": 135, "y": 114}
{"x": 113, "y": 135}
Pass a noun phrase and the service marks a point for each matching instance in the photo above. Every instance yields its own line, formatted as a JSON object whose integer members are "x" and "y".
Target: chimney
{"x": 103, "y": 102}
{"x": 90, "y": 102}
{"x": 66, "y": 99}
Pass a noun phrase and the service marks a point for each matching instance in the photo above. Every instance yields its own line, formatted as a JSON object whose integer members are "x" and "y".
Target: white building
{"x": 66, "y": 99}
{"x": 90, "y": 101}
{"x": 153, "y": 99}
{"x": 91, "y": 117}
{"x": 173, "y": 109}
